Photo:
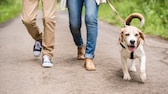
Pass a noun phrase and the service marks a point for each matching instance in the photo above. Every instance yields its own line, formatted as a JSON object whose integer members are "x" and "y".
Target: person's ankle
{"x": 81, "y": 52}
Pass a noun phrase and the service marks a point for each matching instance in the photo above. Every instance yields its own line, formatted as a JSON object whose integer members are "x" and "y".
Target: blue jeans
{"x": 75, "y": 15}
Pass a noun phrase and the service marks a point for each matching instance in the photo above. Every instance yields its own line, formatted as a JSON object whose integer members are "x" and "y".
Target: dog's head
{"x": 131, "y": 37}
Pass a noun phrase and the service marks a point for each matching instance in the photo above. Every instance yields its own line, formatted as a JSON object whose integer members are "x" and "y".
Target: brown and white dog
{"x": 131, "y": 47}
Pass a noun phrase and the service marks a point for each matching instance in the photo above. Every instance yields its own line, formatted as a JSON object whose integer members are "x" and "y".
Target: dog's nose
{"x": 132, "y": 41}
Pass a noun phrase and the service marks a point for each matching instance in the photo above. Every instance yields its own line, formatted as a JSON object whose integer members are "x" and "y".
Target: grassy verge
{"x": 154, "y": 11}
{"x": 9, "y": 10}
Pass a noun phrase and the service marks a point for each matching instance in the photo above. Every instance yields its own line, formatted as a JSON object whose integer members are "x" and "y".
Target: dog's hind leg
{"x": 133, "y": 67}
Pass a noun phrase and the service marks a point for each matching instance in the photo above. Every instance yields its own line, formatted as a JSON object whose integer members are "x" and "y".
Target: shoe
{"x": 81, "y": 52}
{"x": 37, "y": 48}
{"x": 89, "y": 65}
{"x": 46, "y": 62}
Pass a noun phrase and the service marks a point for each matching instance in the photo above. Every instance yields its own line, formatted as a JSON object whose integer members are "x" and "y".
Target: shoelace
{"x": 46, "y": 59}
{"x": 37, "y": 45}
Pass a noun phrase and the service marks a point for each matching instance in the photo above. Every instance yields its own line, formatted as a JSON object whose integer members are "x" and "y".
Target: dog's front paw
{"x": 127, "y": 76}
{"x": 143, "y": 77}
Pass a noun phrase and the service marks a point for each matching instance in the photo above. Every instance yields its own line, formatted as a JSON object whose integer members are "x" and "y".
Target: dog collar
{"x": 122, "y": 45}
{"x": 132, "y": 53}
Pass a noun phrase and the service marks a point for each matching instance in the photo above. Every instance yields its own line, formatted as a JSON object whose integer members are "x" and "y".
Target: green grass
{"x": 9, "y": 10}
{"x": 154, "y": 11}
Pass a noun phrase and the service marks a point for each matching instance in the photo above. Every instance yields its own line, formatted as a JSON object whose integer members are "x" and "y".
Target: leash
{"x": 123, "y": 22}
{"x": 115, "y": 12}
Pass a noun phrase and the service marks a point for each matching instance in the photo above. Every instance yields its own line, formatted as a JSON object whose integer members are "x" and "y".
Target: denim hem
{"x": 89, "y": 55}
{"x": 80, "y": 46}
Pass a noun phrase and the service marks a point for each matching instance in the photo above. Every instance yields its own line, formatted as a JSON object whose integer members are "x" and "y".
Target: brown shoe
{"x": 81, "y": 52}
{"x": 89, "y": 65}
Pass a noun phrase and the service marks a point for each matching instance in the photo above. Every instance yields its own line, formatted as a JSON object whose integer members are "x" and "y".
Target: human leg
{"x": 91, "y": 26}
{"x": 49, "y": 13}
{"x": 29, "y": 13}
{"x": 92, "y": 30}
{"x": 75, "y": 11}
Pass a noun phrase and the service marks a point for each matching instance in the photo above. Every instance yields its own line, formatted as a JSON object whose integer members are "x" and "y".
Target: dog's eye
{"x": 136, "y": 35}
{"x": 126, "y": 34}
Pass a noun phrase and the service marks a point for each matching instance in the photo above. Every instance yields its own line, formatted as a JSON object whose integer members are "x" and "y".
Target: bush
{"x": 4, "y": 2}
{"x": 154, "y": 11}
{"x": 9, "y": 9}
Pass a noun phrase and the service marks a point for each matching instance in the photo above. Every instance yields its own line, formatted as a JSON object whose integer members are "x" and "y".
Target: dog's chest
{"x": 129, "y": 55}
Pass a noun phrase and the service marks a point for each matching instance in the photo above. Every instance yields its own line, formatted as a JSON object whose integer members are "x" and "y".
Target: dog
{"x": 131, "y": 42}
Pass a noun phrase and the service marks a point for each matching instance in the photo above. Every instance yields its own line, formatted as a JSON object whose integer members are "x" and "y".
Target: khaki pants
{"x": 29, "y": 14}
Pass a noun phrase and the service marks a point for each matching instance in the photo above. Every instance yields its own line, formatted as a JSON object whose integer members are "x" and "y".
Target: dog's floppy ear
{"x": 141, "y": 35}
{"x": 142, "y": 38}
{"x": 121, "y": 35}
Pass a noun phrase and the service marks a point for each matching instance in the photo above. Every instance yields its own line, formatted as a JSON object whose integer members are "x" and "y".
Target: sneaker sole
{"x": 37, "y": 53}
{"x": 47, "y": 65}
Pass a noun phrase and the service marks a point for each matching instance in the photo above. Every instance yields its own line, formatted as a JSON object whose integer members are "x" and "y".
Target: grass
{"x": 9, "y": 10}
{"x": 154, "y": 11}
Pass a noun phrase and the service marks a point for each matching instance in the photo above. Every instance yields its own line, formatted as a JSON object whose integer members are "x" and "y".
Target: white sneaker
{"x": 37, "y": 48}
{"x": 46, "y": 62}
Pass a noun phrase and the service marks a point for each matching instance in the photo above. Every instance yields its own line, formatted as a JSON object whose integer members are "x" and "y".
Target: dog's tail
{"x": 135, "y": 15}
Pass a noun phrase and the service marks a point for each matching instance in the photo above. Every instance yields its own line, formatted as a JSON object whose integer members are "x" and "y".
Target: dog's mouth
{"x": 131, "y": 48}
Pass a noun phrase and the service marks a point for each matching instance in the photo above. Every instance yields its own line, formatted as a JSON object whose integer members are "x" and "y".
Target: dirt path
{"x": 21, "y": 72}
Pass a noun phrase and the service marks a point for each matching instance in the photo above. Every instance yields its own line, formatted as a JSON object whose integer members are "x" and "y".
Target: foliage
{"x": 154, "y": 11}
{"x": 9, "y": 9}
{"x": 4, "y": 2}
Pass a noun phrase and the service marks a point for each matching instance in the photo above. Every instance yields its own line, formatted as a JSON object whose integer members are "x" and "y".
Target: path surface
{"x": 21, "y": 72}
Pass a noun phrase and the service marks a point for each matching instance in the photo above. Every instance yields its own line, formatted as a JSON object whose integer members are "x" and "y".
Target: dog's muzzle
{"x": 132, "y": 47}
{"x": 132, "y": 42}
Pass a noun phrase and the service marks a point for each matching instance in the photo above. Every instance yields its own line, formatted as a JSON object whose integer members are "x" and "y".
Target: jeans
{"x": 75, "y": 15}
